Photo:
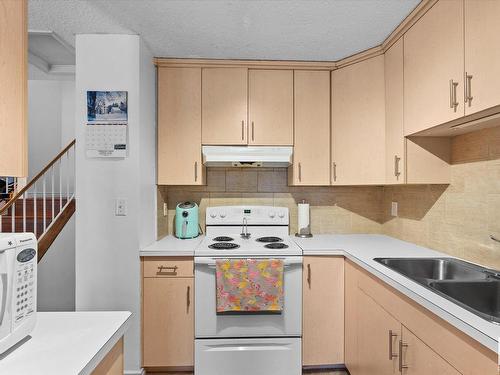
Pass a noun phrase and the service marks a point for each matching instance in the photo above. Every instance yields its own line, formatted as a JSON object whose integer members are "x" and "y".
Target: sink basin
{"x": 480, "y": 297}
{"x": 472, "y": 287}
{"x": 434, "y": 268}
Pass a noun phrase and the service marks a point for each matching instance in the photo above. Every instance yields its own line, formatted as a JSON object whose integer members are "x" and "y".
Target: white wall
{"x": 56, "y": 273}
{"x": 107, "y": 246}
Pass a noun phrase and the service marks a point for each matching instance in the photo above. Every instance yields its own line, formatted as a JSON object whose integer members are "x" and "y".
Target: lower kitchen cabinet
{"x": 168, "y": 319}
{"x": 386, "y": 333}
{"x": 323, "y": 311}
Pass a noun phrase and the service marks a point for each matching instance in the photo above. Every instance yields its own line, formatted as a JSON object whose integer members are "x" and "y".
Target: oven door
{"x": 209, "y": 324}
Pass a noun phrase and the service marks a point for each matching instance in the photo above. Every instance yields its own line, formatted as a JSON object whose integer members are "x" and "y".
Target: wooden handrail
{"x": 36, "y": 178}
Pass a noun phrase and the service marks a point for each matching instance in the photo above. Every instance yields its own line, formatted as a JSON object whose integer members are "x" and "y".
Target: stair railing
{"x": 51, "y": 190}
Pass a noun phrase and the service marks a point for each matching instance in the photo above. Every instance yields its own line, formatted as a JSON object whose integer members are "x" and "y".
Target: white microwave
{"x": 18, "y": 262}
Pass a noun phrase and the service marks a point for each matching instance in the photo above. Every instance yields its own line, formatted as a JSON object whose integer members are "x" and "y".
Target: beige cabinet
{"x": 168, "y": 319}
{"x": 482, "y": 55}
{"x": 224, "y": 106}
{"x": 311, "y": 159}
{"x": 434, "y": 68}
{"x": 179, "y": 127}
{"x": 419, "y": 359}
{"x": 358, "y": 123}
{"x": 323, "y": 311}
{"x": 13, "y": 88}
{"x": 416, "y": 160}
{"x": 395, "y": 158}
{"x": 379, "y": 336}
{"x": 270, "y": 107}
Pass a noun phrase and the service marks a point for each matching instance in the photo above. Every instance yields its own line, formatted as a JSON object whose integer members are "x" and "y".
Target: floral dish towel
{"x": 249, "y": 285}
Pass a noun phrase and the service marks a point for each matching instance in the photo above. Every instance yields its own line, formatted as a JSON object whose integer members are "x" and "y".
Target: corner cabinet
{"x": 311, "y": 164}
{"x": 167, "y": 313}
{"x": 323, "y": 311}
{"x": 387, "y": 333}
{"x": 358, "y": 123}
{"x": 13, "y": 88}
{"x": 179, "y": 127}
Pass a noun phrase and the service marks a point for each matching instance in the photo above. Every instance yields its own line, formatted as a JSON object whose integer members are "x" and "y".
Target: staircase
{"x": 45, "y": 204}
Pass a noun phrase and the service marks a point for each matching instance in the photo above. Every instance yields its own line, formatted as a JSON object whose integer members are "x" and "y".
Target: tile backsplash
{"x": 456, "y": 219}
{"x": 333, "y": 209}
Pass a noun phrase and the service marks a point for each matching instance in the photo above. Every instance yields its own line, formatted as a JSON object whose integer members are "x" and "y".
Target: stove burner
{"x": 276, "y": 245}
{"x": 223, "y": 239}
{"x": 223, "y": 246}
{"x": 270, "y": 239}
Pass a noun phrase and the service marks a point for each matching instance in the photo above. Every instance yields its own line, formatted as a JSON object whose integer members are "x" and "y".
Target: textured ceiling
{"x": 245, "y": 29}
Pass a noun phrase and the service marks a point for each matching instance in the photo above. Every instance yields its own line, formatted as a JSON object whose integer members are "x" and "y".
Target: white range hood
{"x": 247, "y": 156}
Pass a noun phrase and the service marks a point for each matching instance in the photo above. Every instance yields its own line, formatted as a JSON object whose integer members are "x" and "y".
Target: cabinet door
{"x": 179, "y": 126}
{"x": 168, "y": 324}
{"x": 358, "y": 123}
{"x": 351, "y": 317}
{"x": 433, "y": 64}
{"x": 420, "y": 359}
{"x": 378, "y": 336}
{"x": 311, "y": 159}
{"x": 323, "y": 315}
{"x": 482, "y": 55}
{"x": 394, "y": 131}
{"x": 224, "y": 106}
{"x": 270, "y": 106}
{"x": 13, "y": 88}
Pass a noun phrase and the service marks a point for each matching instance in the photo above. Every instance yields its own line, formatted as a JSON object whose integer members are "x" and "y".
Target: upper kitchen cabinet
{"x": 224, "y": 106}
{"x": 311, "y": 128}
{"x": 13, "y": 88}
{"x": 358, "y": 123}
{"x": 434, "y": 67}
{"x": 270, "y": 107}
{"x": 179, "y": 127}
{"x": 482, "y": 55}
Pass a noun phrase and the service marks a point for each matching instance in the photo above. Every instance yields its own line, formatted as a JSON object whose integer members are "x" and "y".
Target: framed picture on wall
{"x": 107, "y": 106}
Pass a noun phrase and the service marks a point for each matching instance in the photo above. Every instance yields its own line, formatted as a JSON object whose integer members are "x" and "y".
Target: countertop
{"x": 172, "y": 246}
{"x": 362, "y": 248}
{"x": 66, "y": 343}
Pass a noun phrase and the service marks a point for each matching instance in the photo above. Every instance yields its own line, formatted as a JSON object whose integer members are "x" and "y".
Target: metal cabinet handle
{"x": 196, "y": 171}
{"x": 300, "y": 172}
{"x": 309, "y": 275}
{"x": 391, "y": 354}
{"x": 334, "y": 171}
{"x": 397, "y": 173}
{"x": 242, "y": 130}
{"x": 453, "y": 95}
{"x": 468, "y": 89}
{"x": 168, "y": 269}
{"x": 188, "y": 298}
{"x": 253, "y": 131}
{"x": 401, "y": 346}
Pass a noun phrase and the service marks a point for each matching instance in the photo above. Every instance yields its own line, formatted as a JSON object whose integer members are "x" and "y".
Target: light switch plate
{"x": 121, "y": 207}
{"x": 165, "y": 210}
{"x": 394, "y": 209}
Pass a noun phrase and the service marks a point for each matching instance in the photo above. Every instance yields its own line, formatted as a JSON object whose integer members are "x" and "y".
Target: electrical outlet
{"x": 165, "y": 210}
{"x": 394, "y": 209}
{"x": 121, "y": 207}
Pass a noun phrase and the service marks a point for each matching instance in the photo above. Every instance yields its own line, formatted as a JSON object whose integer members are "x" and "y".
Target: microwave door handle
{"x": 4, "y": 296}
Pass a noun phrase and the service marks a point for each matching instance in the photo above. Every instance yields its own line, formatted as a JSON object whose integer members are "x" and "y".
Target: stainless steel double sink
{"x": 473, "y": 287}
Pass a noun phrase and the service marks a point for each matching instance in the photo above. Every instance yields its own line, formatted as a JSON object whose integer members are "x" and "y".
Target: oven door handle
{"x": 211, "y": 262}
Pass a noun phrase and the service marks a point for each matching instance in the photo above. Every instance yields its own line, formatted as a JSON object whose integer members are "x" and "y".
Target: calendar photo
{"x": 107, "y": 106}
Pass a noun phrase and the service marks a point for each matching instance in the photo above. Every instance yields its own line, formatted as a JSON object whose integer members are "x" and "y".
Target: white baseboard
{"x": 135, "y": 372}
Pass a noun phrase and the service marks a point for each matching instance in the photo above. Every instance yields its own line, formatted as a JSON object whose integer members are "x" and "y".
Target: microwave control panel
{"x": 24, "y": 291}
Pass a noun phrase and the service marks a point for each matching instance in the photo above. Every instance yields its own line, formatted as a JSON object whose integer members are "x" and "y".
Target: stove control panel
{"x": 252, "y": 215}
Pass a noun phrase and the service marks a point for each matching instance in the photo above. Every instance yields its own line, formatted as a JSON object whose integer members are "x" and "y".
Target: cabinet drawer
{"x": 168, "y": 267}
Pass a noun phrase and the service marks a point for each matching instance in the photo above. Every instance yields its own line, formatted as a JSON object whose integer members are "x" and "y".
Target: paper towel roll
{"x": 303, "y": 216}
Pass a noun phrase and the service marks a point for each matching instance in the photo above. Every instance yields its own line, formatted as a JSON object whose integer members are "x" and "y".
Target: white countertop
{"x": 66, "y": 343}
{"x": 171, "y": 246}
{"x": 362, "y": 248}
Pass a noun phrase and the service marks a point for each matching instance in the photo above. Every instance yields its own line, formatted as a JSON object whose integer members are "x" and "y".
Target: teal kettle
{"x": 186, "y": 220}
